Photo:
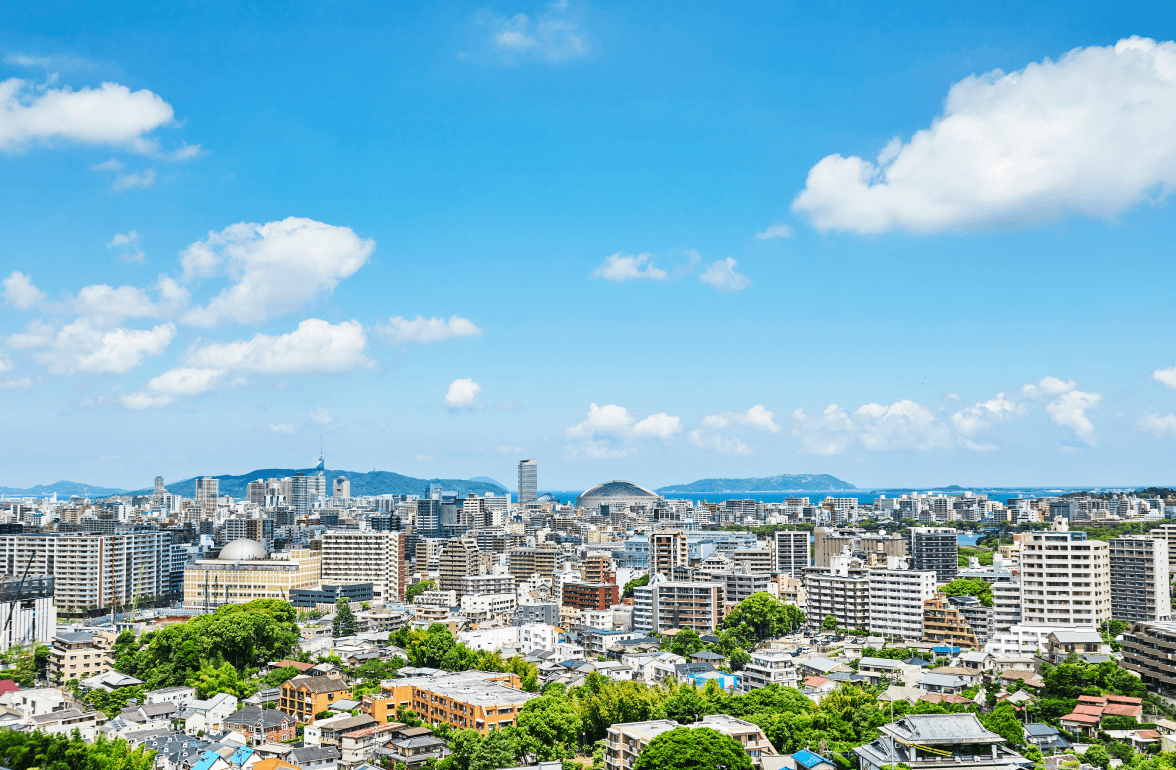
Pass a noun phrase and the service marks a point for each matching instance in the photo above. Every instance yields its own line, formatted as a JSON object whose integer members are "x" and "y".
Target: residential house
{"x": 928, "y": 741}
{"x": 207, "y": 715}
{"x": 1045, "y": 737}
{"x": 771, "y": 666}
{"x": 414, "y": 746}
{"x": 1060, "y": 644}
{"x": 261, "y": 725}
{"x": 946, "y": 684}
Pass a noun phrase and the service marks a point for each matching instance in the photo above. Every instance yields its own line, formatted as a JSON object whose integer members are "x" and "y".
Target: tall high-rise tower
{"x": 298, "y": 496}
{"x": 528, "y": 481}
{"x": 159, "y": 490}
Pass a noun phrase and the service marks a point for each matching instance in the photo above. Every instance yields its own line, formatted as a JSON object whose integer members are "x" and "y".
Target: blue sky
{"x": 649, "y": 242}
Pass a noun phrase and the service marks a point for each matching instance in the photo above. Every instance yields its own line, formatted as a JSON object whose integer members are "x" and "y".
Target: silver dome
{"x": 243, "y": 550}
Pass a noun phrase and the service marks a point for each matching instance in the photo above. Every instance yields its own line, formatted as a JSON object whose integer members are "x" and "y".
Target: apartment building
{"x": 1167, "y": 533}
{"x": 945, "y": 624}
{"x": 664, "y": 605}
{"x": 625, "y": 741}
{"x": 838, "y": 591}
{"x": 829, "y": 542}
{"x": 351, "y": 556}
{"x": 667, "y": 549}
{"x": 1065, "y": 578}
{"x": 459, "y": 558}
{"x": 80, "y": 654}
{"x": 30, "y": 616}
{"x": 739, "y": 584}
{"x": 483, "y": 607}
{"x": 1006, "y": 603}
{"x": 92, "y": 571}
{"x": 1140, "y": 588}
{"x": 304, "y": 696}
{"x": 471, "y": 704}
{"x": 935, "y": 548}
{"x": 897, "y": 595}
{"x": 479, "y": 585}
{"x": 981, "y": 619}
{"x": 792, "y": 553}
{"x": 761, "y": 560}
{"x": 590, "y": 596}
{"x": 770, "y": 666}
{"x": 259, "y": 529}
{"x": 1149, "y": 649}
{"x": 525, "y": 562}
{"x": 598, "y": 568}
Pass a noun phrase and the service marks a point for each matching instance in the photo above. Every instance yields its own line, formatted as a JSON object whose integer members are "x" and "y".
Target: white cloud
{"x": 1157, "y": 424}
{"x": 982, "y": 417}
{"x": 187, "y": 152}
{"x": 185, "y": 381}
{"x": 553, "y": 36}
{"x": 1090, "y": 133}
{"x": 1165, "y": 377}
{"x": 22, "y": 384}
{"x": 140, "y": 179}
{"x": 1068, "y": 407}
{"x": 609, "y": 430}
{"x": 283, "y": 428}
{"x": 315, "y": 347}
{"x": 400, "y": 331}
{"x": 20, "y": 292}
{"x": 462, "y": 394}
{"x": 321, "y": 416}
{"x": 277, "y": 267}
{"x": 756, "y": 417}
{"x": 104, "y": 305}
{"x": 80, "y": 347}
{"x": 903, "y": 425}
{"x": 144, "y": 400}
{"x": 721, "y": 275}
{"x": 619, "y": 268}
{"x": 777, "y": 230}
{"x": 110, "y": 114}
{"x": 128, "y": 246}
{"x": 510, "y": 450}
{"x": 717, "y": 443}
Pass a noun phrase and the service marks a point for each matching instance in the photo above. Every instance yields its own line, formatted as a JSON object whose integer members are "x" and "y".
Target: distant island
{"x": 788, "y": 482}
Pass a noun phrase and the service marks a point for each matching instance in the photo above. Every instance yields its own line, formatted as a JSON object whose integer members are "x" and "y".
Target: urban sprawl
{"x": 302, "y": 628}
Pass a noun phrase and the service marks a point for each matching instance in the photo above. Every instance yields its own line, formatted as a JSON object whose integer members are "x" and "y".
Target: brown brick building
{"x": 943, "y": 623}
{"x": 590, "y": 596}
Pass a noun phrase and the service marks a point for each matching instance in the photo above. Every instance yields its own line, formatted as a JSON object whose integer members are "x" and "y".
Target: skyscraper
{"x": 528, "y": 481}
{"x": 159, "y": 490}
{"x": 298, "y": 497}
{"x": 207, "y": 491}
{"x": 935, "y": 548}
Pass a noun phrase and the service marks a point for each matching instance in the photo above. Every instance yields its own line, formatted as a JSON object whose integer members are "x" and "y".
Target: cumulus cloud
{"x": 1090, "y": 133}
{"x": 128, "y": 246}
{"x": 315, "y": 347}
{"x": 756, "y": 417}
{"x": 104, "y": 305}
{"x": 137, "y": 179}
{"x": 619, "y": 268}
{"x": 717, "y": 443}
{"x": 400, "y": 331}
{"x": 82, "y": 347}
{"x": 111, "y": 114}
{"x": 1159, "y": 425}
{"x": 321, "y": 416}
{"x": 903, "y": 425}
{"x": 276, "y": 267}
{"x": 20, "y": 292}
{"x": 284, "y": 428}
{"x": 144, "y": 400}
{"x": 609, "y": 430}
{"x": 982, "y": 417}
{"x": 553, "y": 36}
{"x": 1068, "y": 406}
{"x": 721, "y": 275}
{"x": 462, "y": 394}
{"x": 1165, "y": 377}
{"x": 777, "y": 230}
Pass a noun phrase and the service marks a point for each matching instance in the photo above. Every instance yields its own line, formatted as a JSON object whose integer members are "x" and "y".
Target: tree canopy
{"x": 416, "y": 589}
{"x": 762, "y": 616}
{"x": 693, "y": 749}
{"x": 981, "y": 589}
{"x": 29, "y": 750}
{"x": 344, "y": 623}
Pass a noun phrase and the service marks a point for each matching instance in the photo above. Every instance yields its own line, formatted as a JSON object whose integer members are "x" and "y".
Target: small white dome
{"x": 243, "y": 550}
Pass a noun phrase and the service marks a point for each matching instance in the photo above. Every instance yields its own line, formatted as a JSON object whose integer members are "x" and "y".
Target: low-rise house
{"x": 174, "y": 750}
{"x": 207, "y": 715}
{"x": 261, "y": 725}
{"x": 65, "y": 722}
{"x": 314, "y": 757}
{"x": 876, "y": 670}
{"x": 181, "y": 695}
{"x": 1045, "y": 737}
{"x": 808, "y": 760}
{"x": 34, "y": 702}
{"x": 330, "y": 732}
{"x": 625, "y": 741}
{"x": 109, "y": 681}
{"x": 152, "y": 714}
{"x": 414, "y": 746}
{"x": 1060, "y": 644}
{"x": 947, "y": 684}
{"x": 977, "y": 661}
{"x": 360, "y": 746}
{"x": 1011, "y": 676}
{"x": 928, "y": 741}
{"x": 819, "y": 666}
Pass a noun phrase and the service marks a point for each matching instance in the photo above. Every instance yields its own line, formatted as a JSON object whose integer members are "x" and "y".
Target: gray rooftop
{"x": 941, "y": 728}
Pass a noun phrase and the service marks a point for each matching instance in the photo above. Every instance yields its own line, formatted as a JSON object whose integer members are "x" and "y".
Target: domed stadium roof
{"x": 616, "y": 492}
{"x": 243, "y": 550}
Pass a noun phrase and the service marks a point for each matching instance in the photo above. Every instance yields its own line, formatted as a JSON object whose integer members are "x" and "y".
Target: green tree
{"x": 1097, "y": 755}
{"x": 1120, "y": 751}
{"x": 829, "y": 623}
{"x": 738, "y": 659}
{"x": 1003, "y": 721}
{"x": 981, "y": 589}
{"x": 548, "y": 728}
{"x": 344, "y": 623}
{"x": 416, "y": 589}
{"x": 211, "y": 680}
{"x": 686, "y": 706}
{"x": 686, "y": 642}
{"x": 627, "y": 593}
{"x": 498, "y": 749}
{"x": 761, "y": 616}
{"x": 276, "y": 677}
{"x": 693, "y": 749}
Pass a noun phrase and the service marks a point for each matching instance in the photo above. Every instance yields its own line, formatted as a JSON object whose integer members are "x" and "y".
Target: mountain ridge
{"x": 785, "y": 482}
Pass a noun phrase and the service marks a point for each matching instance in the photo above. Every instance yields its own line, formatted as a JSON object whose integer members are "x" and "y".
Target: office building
{"x": 92, "y": 571}
{"x": 257, "y": 491}
{"x": 159, "y": 488}
{"x": 259, "y": 529}
{"x": 525, "y": 562}
{"x": 528, "y": 481}
{"x": 244, "y": 571}
{"x": 1065, "y": 578}
{"x": 897, "y": 595}
{"x": 792, "y": 553}
{"x": 459, "y": 558}
{"x": 351, "y": 556}
{"x": 1140, "y": 588}
{"x": 207, "y": 491}
{"x": 428, "y": 516}
{"x": 667, "y": 549}
{"x": 935, "y": 548}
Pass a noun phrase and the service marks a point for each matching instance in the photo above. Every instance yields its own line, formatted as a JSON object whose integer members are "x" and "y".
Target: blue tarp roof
{"x": 806, "y": 758}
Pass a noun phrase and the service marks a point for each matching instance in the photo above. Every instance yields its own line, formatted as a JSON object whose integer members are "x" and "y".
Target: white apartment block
{"x": 351, "y": 556}
{"x": 767, "y": 667}
{"x": 29, "y": 614}
{"x": 662, "y": 605}
{"x": 1065, "y": 578}
{"x": 478, "y": 585}
{"x": 483, "y": 607}
{"x": 792, "y": 553}
{"x": 896, "y": 599}
{"x": 1026, "y": 638}
{"x": 1006, "y": 601}
{"x": 92, "y": 571}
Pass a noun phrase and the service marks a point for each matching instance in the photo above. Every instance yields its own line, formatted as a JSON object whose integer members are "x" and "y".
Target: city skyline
{"x": 632, "y": 245}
